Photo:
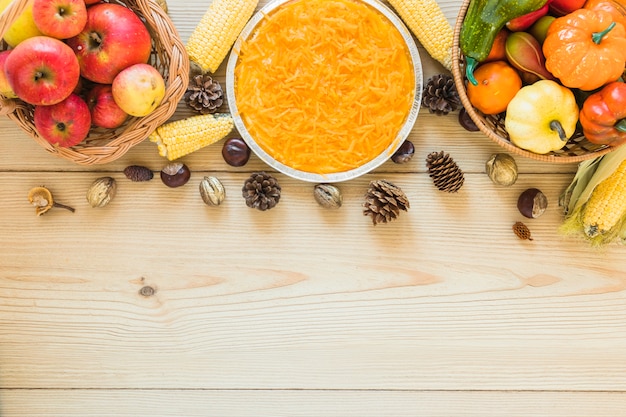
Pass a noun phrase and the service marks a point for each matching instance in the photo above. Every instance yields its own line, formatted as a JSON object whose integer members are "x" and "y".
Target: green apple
{"x": 539, "y": 29}
{"x": 23, "y": 27}
{"x": 138, "y": 89}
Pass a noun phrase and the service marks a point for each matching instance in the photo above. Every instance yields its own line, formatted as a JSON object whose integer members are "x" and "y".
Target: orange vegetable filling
{"x": 324, "y": 86}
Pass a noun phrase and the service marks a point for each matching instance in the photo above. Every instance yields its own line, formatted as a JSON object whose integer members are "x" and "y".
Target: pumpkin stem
{"x": 597, "y": 36}
{"x": 470, "y": 66}
{"x": 620, "y": 125}
{"x": 555, "y": 125}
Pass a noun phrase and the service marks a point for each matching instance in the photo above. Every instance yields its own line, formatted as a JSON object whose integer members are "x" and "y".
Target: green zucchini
{"x": 482, "y": 22}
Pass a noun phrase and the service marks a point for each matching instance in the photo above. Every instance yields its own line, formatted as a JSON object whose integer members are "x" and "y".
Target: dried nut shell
{"x": 502, "y": 169}
{"x": 41, "y": 198}
{"x": 163, "y": 4}
{"x": 212, "y": 191}
{"x": 101, "y": 192}
{"x": 328, "y": 196}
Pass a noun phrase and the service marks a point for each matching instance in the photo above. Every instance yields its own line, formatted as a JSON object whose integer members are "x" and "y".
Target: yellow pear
{"x": 23, "y": 27}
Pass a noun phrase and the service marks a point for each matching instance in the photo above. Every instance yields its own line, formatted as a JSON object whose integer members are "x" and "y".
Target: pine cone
{"x": 204, "y": 95}
{"x": 261, "y": 191}
{"x": 440, "y": 95}
{"x": 445, "y": 173}
{"x": 138, "y": 173}
{"x": 384, "y": 201}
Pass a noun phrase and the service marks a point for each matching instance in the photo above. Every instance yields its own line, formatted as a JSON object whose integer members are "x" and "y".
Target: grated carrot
{"x": 324, "y": 86}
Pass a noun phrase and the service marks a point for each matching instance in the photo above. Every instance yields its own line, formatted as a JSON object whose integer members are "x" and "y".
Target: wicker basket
{"x": 106, "y": 145}
{"x": 577, "y": 149}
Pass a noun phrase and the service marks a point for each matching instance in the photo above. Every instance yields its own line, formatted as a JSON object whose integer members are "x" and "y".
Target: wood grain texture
{"x": 280, "y": 403}
{"x": 159, "y": 305}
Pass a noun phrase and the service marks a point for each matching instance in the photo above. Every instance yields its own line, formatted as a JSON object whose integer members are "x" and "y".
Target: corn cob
{"x": 217, "y": 31}
{"x": 595, "y": 201}
{"x": 182, "y": 137}
{"x": 428, "y": 23}
{"x": 607, "y": 204}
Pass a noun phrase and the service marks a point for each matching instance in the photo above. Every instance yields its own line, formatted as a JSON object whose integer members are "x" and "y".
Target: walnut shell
{"x": 502, "y": 169}
{"x": 101, "y": 192}
{"x": 212, "y": 191}
{"x": 328, "y": 196}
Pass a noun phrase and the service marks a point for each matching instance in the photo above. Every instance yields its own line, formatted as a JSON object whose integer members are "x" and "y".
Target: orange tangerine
{"x": 498, "y": 82}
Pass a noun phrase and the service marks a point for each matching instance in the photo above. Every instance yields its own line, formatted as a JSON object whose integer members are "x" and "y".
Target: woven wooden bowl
{"x": 577, "y": 149}
{"x": 106, "y": 145}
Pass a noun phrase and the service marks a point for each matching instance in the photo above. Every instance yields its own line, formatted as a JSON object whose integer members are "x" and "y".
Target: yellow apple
{"x": 138, "y": 89}
{"x": 23, "y": 27}
{"x": 5, "y": 87}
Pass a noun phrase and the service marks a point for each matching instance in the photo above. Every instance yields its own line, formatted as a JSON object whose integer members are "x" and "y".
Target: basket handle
{"x": 8, "y": 16}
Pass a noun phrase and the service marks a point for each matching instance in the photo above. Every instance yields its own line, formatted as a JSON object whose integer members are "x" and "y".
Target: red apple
{"x": 88, "y": 2}
{"x": 563, "y": 7}
{"x": 113, "y": 39}
{"x": 104, "y": 110}
{"x": 139, "y": 89}
{"x": 60, "y": 19}
{"x": 42, "y": 70}
{"x": 5, "y": 87}
{"x": 64, "y": 124}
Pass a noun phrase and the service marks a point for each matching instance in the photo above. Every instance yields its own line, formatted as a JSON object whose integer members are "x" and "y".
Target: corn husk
{"x": 589, "y": 174}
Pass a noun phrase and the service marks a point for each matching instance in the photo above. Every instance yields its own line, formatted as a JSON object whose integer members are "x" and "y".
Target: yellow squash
{"x": 541, "y": 117}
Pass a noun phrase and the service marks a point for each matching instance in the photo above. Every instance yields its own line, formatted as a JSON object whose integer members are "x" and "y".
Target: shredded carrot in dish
{"x": 324, "y": 86}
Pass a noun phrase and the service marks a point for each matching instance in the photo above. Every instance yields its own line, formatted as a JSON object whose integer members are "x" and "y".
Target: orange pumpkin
{"x": 617, "y": 8}
{"x": 585, "y": 49}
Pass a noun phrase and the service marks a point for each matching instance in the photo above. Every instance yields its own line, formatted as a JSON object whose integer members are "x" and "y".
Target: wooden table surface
{"x": 301, "y": 311}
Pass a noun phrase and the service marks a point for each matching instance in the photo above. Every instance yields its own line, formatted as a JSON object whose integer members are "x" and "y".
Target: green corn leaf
{"x": 589, "y": 174}
{"x": 608, "y": 164}
{"x": 569, "y": 197}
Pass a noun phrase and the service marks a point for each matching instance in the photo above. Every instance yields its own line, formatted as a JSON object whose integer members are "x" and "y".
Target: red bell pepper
{"x": 563, "y": 7}
{"x": 603, "y": 115}
{"x": 525, "y": 21}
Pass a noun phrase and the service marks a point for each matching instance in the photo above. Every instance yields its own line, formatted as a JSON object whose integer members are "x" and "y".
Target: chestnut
{"x": 532, "y": 203}
{"x": 404, "y": 153}
{"x": 235, "y": 152}
{"x": 466, "y": 121}
{"x": 175, "y": 174}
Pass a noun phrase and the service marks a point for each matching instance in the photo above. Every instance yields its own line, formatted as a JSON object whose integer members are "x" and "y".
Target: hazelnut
{"x": 101, "y": 192}
{"x": 212, "y": 191}
{"x": 236, "y": 152}
{"x": 404, "y": 153}
{"x": 175, "y": 174}
{"x": 532, "y": 203}
{"x": 328, "y": 196}
{"x": 501, "y": 168}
